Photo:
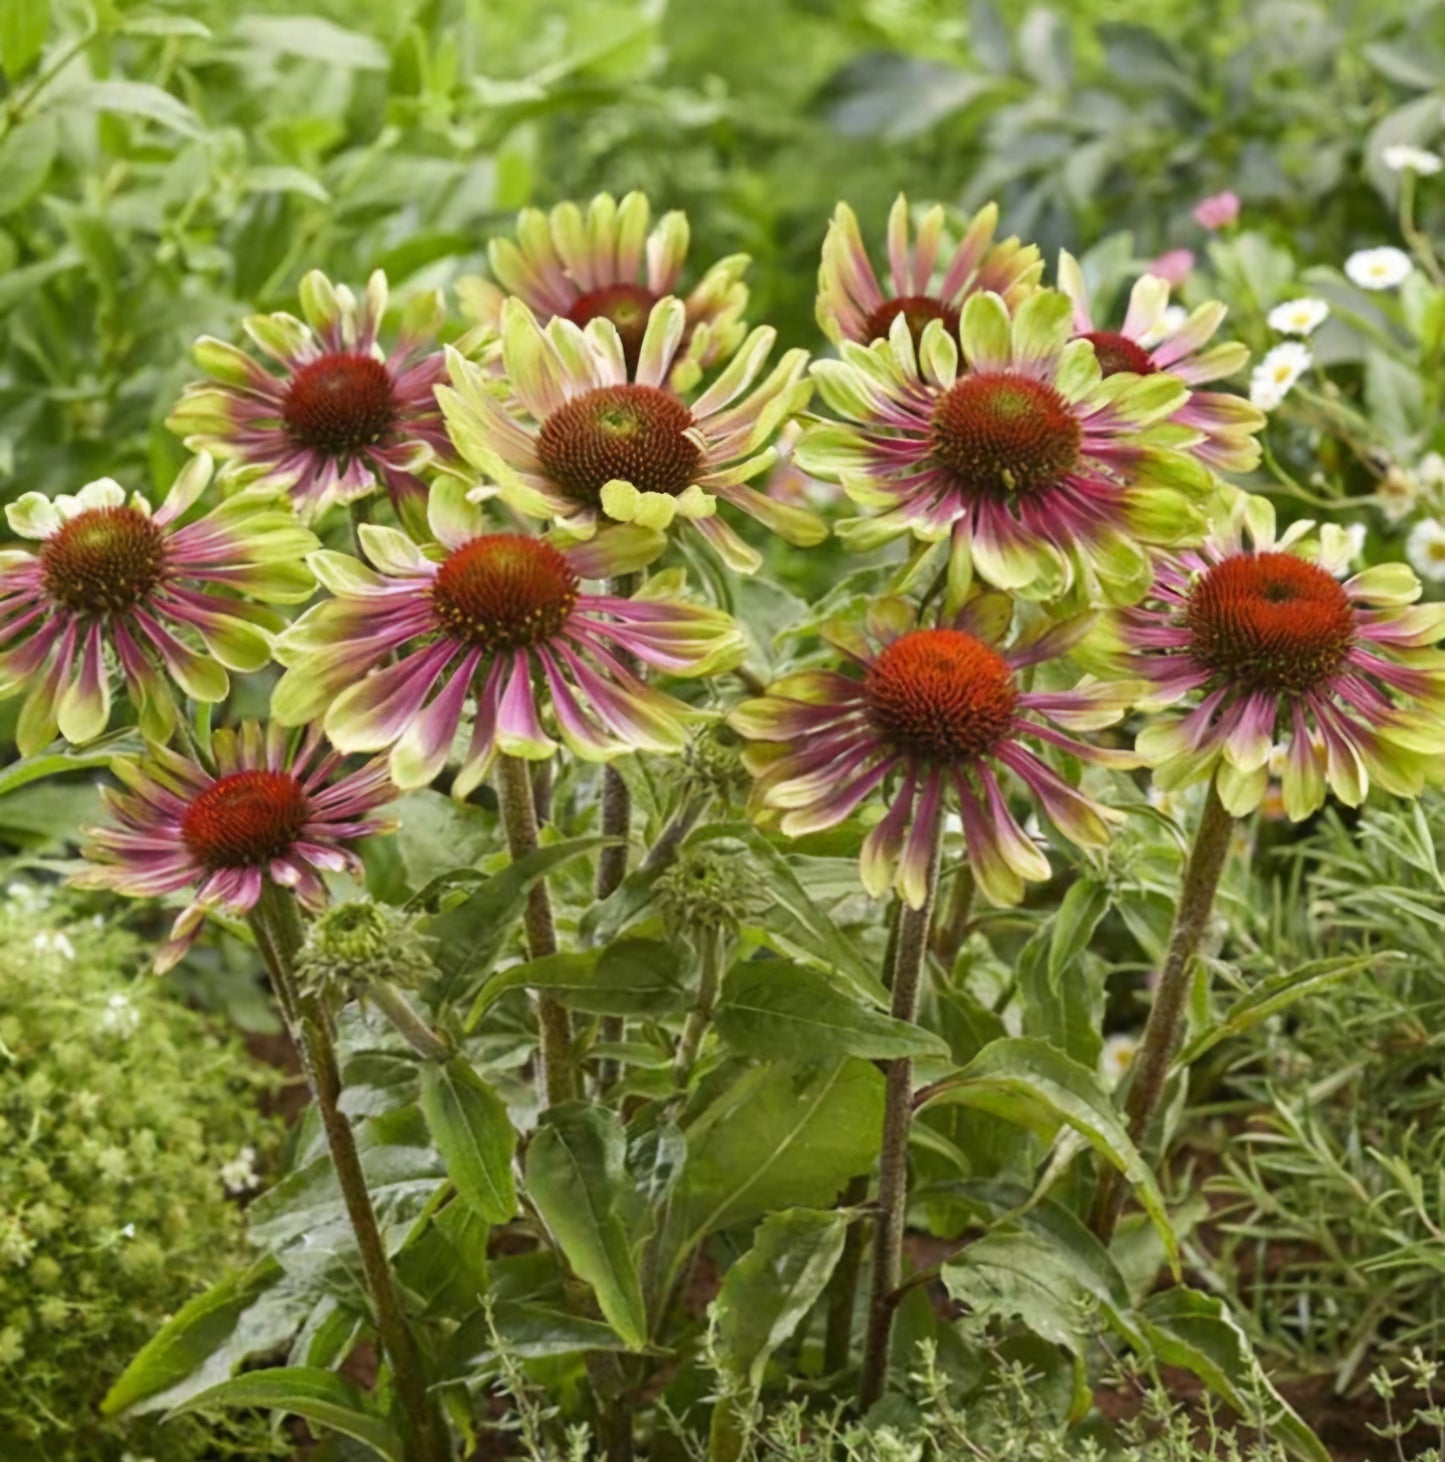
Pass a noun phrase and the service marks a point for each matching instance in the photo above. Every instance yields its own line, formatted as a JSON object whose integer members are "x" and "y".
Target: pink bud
{"x": 1172, "y": 267}
{"x": 1217, "y": 211}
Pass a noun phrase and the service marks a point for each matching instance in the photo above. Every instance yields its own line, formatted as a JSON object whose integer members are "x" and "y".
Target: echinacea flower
{"x": 1381, "y": 268}
{"x": 277, "y": 806}
{"x": 1217, "y": 211}
{"x": 585, "y": 438}
{"x": 1173, "y": 266}
{"x": 1143, "y": 344}
{"x": 1403, "y": 158}
{"x": 1274, "y": 377}
{"x": 1425, "y": 548}
{"x": 499, "y": 623}
{"x": 605, "y": 264}
{"x": 1051, "y": 476}
{"x": 112, "y": 581}
{"x": 1258, "y": 635}
{"x": 1301, "y": 316}
{"x": 928, "y": 278}
{"x": 927, "y": 720}
{"x": 334, "y": 415}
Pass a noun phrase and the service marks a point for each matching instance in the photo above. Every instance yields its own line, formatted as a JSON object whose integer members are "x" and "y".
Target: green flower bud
{"x": 709, "y": 888}
{"x": 362, "y": 942}
{"x": 711, "y": 766}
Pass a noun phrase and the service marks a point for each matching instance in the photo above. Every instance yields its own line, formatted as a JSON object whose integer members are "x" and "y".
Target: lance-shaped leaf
{"x": 578, "y": 1180}
{"x": 469, "y": 1123}
{"x": 1034, "y": 1084}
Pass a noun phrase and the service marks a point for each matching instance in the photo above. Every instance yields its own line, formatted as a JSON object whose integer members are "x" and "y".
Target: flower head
{"x": 110, "y": 580}
{"x": 1273, "y": 377}
{"x": 277, "y": 806}
{"x": 1258, "y": 634}
{"x": 1217, "y": 211}
{"x": 1425, "y": 548}
{"x": 1397, "y": 493}
{"x": 333, "y": 416}
{"x": 498, "y": 622}
{"x": 1301, "y": 316}
{"x": 1144, "y": 343}
{"x": 1381, "y": 268}
{"x": 1049, "y": 474}
{"x": 585, "y": 438}
{"x": 929, "y": 717}
{"x": 1403, "y": 158}
{"x": 853, "y": 305}
{"x": 604, "y": 264}
{"x": 1173, "y": 266}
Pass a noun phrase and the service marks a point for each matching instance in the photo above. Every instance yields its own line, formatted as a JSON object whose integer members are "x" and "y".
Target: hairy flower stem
{"x": 1161, "y": 1033}
{"x": 910, "y": 953}
{"x": 277, "y": 925}
{"x": 519, "y": 818}
{"x": 710, "y": 942}
{"x": 429, "y": 1044}
{"x": 616, "y": 823}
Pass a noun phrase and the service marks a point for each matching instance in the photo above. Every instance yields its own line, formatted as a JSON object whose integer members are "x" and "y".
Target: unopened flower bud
{"x": 362, "y": 942}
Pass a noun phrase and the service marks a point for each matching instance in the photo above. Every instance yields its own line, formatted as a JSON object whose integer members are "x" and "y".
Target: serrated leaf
{"x": 577, "y": 1178}
{"x": 1086, "y": 902}
{"x": 473, "y": 1133}
{"x": 1035, "y": 1084}
{"x": 306, "y": 1391}
{"x": 774, "y": 1010}
{"x": 768, "y": 1292}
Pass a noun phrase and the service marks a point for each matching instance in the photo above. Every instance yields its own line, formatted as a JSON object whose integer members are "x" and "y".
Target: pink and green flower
{"x": 277, "y": 806}
{"x": 928, "y": 720}
{"x": 585, "y": 439}
{"x": 1052, "y": 479}
{"x": 496, "y": 625}
{"x": 929, "y": 276}
{"x": 606, "y": 264}
{"x": 1145, "y": 343}
{"x": 331, "y": 416}
{"x": 114, "y": 587}
{"x": 1266, "y": 656}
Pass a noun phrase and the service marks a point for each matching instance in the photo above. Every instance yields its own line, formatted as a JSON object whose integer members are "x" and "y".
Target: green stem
{"x": 1161, "y": 1033}
{"x": 519, "y": 818}
{"x": 843, "y": 1287}
{"x": 429, "y": 1044}
{"x": 910, "y": 953}
{"x": 710, "y": 943}
{"x": 277, "y": 923}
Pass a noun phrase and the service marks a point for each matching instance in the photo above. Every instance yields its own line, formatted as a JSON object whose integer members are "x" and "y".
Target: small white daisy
{"x": 48, "y": 942}
{"x": 1116, "y": 1058}
{"x": 1403, "y": 158}
{"x": 1397, "y": 494}
{"x": 1430, "y": 469}
{"x": 1169, "y": 323}
{"x": 1381, "y": 268}
{"x": 1277, "y": 372}
{"x": 1425, "y": 548}
{"x": 1298, "y": 317}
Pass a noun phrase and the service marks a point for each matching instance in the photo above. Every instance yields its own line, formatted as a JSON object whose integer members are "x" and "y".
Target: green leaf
{"x": 247, "y": 1314}
{"x": 777, "y": 1136}
{"x": 137, "y": 99}
{"x": 26, "y": 157}
{"x": 776, "y": 1010}
{"x": 528, "y": 1331}
{"x": 314, "y": 39}
{"x": 1033, "y": 1083}
{"x": 286, "y": 180}
{"x": 469, "y": 1123}
{"x": 471, "y": 935}
{"x": 630, "y": 977}
{"x": 1183, "y": 1327}
{"x": 578, "y": 1180}
{"x": 1079, "y": 913}
{"x": 54, "y": 763}
{"x": 24, "y": 25}
{"x": 20, "y": 285}
{"x": 1273, "y": 994}
{"x": 319, "y": 1396}
{"x": 1046, "y": 1279}
{"x": 768, "y": 1292}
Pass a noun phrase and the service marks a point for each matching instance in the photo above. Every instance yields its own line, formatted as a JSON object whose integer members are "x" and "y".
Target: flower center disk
{"x": 919, "y": 310}
{"x": 626, "y": 305}
{"x": 503, "y": 592}
{"x": 1117, "y": 354}
{"x": 1271, "y": 621}
{"x": 1003, "y": 434}
{"x": 340, "y": 403}
{"x": 940, "y": 695}
{"x": 104, "y": 559}
{"x": 628, "y": 433}
{"x": 246, "y": 819}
